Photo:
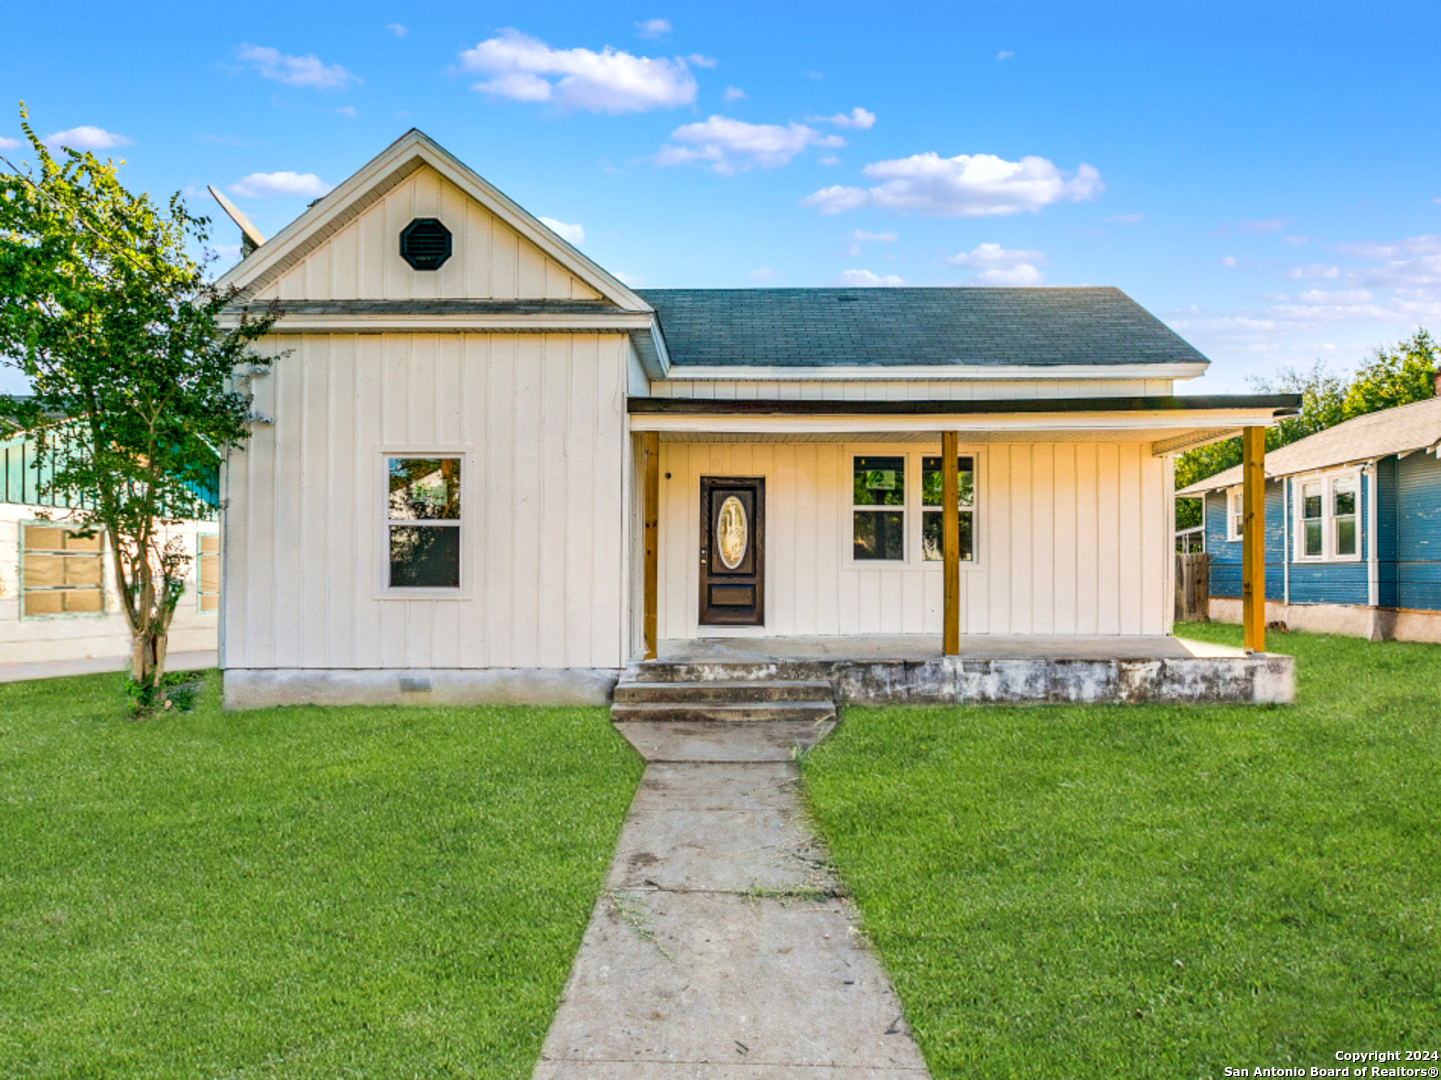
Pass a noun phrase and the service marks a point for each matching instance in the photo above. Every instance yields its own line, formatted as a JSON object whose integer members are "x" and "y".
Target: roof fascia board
{"x": 450, "y": 324}
{"x": 1133, "y": 422}
{"x": 414, "y": 145}
{"x": 929, "y": 372}
{"x": 1255, "y": 408}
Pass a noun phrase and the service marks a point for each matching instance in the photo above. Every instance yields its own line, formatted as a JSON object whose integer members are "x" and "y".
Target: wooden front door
{"x": 732, "y": 551}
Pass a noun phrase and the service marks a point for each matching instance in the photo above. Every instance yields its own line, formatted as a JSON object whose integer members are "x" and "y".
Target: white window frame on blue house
{"x": 1235, "y": 514}
{"x": 1329, "y": 520}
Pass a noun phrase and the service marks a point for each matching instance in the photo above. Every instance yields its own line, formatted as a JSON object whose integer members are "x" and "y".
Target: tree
{"x": 132, "y": 400}
{"x": 1396, "y": 376}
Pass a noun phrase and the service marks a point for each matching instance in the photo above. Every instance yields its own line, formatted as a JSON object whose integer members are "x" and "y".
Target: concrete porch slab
{"x": 916, "y": 647}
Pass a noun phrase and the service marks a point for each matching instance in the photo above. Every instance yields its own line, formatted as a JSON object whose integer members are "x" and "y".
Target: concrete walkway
{"x": 57, "y": 669}
{"x": 721, "y": 947}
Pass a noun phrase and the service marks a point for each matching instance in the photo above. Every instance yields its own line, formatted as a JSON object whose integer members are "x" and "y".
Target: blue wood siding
{"x": 1418, "y": 532}
{"x": 1226, "y": 554}
{"x": 1387, "y": 505}
{"x": 23, "y": 483}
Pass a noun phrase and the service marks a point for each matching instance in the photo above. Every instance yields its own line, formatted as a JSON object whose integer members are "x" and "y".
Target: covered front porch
{"x": 987, "y": 530}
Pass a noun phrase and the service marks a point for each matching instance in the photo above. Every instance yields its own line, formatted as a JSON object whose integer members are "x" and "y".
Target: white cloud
{"x": 266, "y": 185}
{"x": 765, "y": 273}
{"x": 702, "y": 61}
{"x": 86, "y": 137}
{"x": 734, "y": 93}
{"x": 813, "y": 74}
{"x": 397, "y": 29}
{"x": 8, "y": 144}
{"x": 730, "y": 146}
{"x": 635, "y": 281}
{"x": 651, "y": 29}
{"x": 1228, "y": 260}
{"x": 297, "y": 70}
{"x": 347, "y": 111}
{"x": 1005, "y": 54}
{"x": 1313, "y": 272}
{"x": 856, "y": 118}
{"x": 867, "y": 279}
{"x": 1295, "y": 241}
{"x": 828, "y": 159}
{"x": 995, "y": 265}
{"x": 1268, "y": 225}
{"x": 969, "y": 185}
{"x": 571, "y": 234}
{"x": 856, "y": 237}
{"x": 1124, "y": 219}
{"x": 522, "y": 68}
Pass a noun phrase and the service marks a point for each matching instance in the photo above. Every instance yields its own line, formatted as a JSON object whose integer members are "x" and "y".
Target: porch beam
{"x": 950, "y": 546}
{"x": 650, "y": 537}
{"x": 1253, "y": 538}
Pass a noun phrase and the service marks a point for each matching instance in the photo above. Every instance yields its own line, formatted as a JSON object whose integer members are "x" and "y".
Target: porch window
{"x": 423, "y": 522}
{"x": 62, "y": 571}
{"x": 878, "y": 517}
{"x": 931, "y": 487}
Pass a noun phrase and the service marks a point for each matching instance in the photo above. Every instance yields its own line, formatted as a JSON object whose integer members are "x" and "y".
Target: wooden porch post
{"x": 650, "y": 535}
{"x": 1253, "y": 538}
{"x": 950, "y": 547}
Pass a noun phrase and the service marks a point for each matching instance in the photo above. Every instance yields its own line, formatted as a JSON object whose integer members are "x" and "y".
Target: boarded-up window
{"x": 62, "y": 571}
{"x": 207, "y": 571}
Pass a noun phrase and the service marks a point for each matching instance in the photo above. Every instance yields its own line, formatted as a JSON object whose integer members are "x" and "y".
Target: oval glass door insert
{"x": 732, "y": 532}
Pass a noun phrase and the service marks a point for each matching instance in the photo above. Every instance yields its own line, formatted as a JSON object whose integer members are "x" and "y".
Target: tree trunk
{"x": 147, "y": 660}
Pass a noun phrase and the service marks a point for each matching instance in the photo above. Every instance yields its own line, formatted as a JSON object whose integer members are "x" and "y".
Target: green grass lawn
{"x": 1155, "y": 891}
{"x": 302, "y": 892}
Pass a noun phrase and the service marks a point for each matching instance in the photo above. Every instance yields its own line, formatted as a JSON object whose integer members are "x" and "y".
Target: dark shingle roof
{"x": 823, "y": 327}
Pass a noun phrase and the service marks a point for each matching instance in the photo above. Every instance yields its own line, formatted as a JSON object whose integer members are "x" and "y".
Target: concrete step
{"x": 721, "y": 691}
{"x": 813, "y": 711}
{"x": 665, "y": 671}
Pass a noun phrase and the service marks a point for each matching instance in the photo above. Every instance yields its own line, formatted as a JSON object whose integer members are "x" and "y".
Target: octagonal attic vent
{"x": 425, "y": 244}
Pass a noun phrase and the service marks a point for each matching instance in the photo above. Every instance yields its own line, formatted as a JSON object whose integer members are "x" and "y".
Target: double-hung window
{"x": 878, "y": 508}
{"x": 423, "y": 522}
{"x": 1235, "y": 514}
{"x": 931, "y": 487}
{"x": 1326, "y": 518}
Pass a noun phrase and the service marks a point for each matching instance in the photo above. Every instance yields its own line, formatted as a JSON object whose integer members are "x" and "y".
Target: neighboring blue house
{"x": 1353, "y": 529}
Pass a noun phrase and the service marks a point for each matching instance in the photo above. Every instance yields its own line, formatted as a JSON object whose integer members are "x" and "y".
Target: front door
{"x": 732, "y": 551}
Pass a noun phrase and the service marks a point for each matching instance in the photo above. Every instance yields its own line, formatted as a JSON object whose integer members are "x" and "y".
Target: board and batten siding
{"x": 1072, "y": 539}
{"x": 966, "y": 389}
{"x": 542, "y": 421}
{"x": 490, "y": 260}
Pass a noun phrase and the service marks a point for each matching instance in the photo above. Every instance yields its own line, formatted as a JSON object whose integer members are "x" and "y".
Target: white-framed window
{"x": 423, "y": 520}
{"x": 62, "y": 571}
{"x": 207, "y": 572}
{"x": 1235, "y": 513}
{"x": 931, "y": 488}
{"x": 896, "y": 508}
{"x": 1327, "y": 518}
{"x": 878, "y": 507}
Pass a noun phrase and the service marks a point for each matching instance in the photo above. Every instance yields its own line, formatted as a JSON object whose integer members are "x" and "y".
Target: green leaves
{"x": 118, "y": 330}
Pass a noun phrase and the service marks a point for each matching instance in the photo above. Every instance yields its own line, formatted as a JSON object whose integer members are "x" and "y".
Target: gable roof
{"x": 991, "y": 327}
{"x": 1376, "y": 435}
{"x": 361, "y": 190}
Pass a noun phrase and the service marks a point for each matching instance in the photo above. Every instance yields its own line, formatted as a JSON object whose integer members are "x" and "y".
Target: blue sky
{"x": 1266, "y": 178}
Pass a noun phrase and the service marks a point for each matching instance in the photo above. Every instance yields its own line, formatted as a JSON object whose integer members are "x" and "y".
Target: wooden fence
{"x": 1193, "y": 586}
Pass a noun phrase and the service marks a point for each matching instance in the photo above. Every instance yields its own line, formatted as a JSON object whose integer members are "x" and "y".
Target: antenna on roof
{"x": 250, "y": 237}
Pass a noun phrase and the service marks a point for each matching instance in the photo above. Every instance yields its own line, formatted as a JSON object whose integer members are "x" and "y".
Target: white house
{"x": 484, "y": 466}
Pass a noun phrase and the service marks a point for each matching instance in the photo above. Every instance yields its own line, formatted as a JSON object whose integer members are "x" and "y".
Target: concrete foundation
{"x": 1262, "y": 679}
{"x": 263, "y": 688}
{"x": 1358, "y": 620}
